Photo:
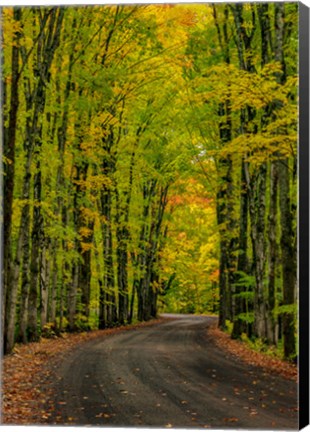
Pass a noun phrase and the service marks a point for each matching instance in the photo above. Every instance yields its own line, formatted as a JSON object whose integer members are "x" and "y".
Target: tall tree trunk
{"x": 289, "y": 264}
{"x": 126, "y": 310}
{"x": 273, "y": 252}
{"x": 22, "y": 257}
{"x": 53, "y": 295}
{"x": 123, "y": 235}
{"x": 141, "y": 260}
{"x": 108, "y": 300}
{"x": 241, "y": 325}
{"x": 222, "y": 199}
{"x": 223, "y": 282}
{"x": 288, "y": 255}
{"x": 44, "y": 283}
{"x": 36, "y": 250}
{"x": 257, "y": 214}
{"x": 243, "y": 41}
{"x": 47, "y": 45}
{"x": 85, "y": 278}
{"x": 147, "y": 288}
{"x": 9, "y": 292}
{"x": 225, "y": 207}
{"x": 79, "y": 179}
{"x": 256, "y": 182}
{"x": 72, "y": 297}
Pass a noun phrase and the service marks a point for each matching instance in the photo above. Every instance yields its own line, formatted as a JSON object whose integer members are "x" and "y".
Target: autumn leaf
{"x": 231, "y": 419}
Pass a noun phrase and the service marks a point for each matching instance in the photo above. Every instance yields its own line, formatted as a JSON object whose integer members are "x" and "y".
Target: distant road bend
{"x": 170, "y": 375}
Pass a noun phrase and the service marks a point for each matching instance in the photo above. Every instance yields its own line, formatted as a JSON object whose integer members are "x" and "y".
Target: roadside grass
{"x": 258, "y": 345}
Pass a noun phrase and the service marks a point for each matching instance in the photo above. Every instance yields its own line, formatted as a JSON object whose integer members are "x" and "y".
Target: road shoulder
{"x": 239, "y": 349}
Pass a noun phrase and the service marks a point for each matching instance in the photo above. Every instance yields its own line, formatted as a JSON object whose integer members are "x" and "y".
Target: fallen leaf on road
{"x": 231, "y": 419}
{"x": 104, "y": 415}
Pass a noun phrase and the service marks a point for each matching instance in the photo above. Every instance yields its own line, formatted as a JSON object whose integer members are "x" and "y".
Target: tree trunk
{"x": 53, "y": 295}
{"x": 272, "y": 329}
{"x": 85, "y": 280}
{"x": 46, "y": 45}
{"x": 141, "y": 261}
{"x": 9, "y": 292}
{"x": 72, "y": 297}
{"x": 122, "y": 236}
{"x": 257, "y": 214}
{"x": 240, "y": 325}
{"x": 44, "y": 284}
{"x": 289, "y": 264}
{"x": 108, "y": 301}
{"x": 243, "y": 40}
{"x": 36, "y": 250}
{"x": 289, "y": 258}
{"x": 224, "y": 206}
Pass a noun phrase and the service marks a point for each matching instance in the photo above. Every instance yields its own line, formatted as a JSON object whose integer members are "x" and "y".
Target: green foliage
{"x": 258, "y": 345}
{"x": 49, "y": 331}
{"x": 246, "y": 317}
{"x": 82, "y": 323}
{"x": 244, "y": 280}
{"x": 287, "y": 309}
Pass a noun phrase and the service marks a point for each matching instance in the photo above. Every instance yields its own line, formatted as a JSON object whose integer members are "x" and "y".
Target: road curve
{"x": 169, "y": 375}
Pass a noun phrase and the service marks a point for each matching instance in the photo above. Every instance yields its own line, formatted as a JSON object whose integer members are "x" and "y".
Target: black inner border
{"x": 303, "y": 215}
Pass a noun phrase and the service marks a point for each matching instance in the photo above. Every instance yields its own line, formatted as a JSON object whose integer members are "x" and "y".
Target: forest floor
{"x": 30, "y": 373}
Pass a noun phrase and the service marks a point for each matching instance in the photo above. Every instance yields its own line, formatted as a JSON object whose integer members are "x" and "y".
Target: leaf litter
{"x": 29, "y": 373}
{"x": 244, "y": 353}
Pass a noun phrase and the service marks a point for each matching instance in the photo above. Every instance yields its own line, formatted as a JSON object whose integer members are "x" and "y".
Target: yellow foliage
{"x": 89, "y": 214}
{"x": 86, "y": 246}
{"x": 10, "y": 27}
{"x": 85, "y": 232}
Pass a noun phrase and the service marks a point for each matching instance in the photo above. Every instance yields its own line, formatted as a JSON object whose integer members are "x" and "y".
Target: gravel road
{"x": 169, "y": 375}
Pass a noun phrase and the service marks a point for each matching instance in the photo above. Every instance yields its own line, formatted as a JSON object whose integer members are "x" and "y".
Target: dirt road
{"x": 169, "y": 375}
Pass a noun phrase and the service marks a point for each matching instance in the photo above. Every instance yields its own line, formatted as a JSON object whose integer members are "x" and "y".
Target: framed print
{"x": 155, "y": 215}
